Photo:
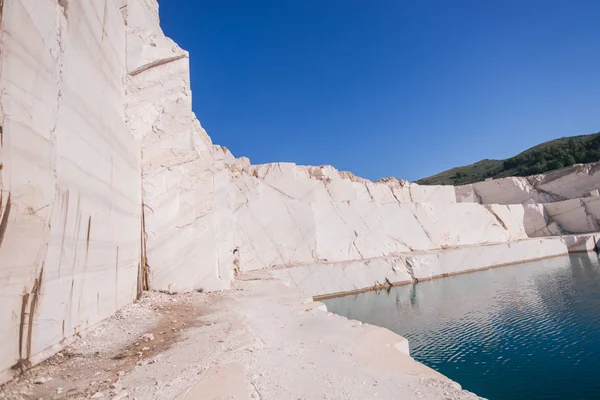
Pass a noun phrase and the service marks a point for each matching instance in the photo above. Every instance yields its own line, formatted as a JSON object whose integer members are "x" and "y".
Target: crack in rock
{"x": 489, "y": 208}
{"x": 155, "y": 64}
{"x": 408, "y": 265}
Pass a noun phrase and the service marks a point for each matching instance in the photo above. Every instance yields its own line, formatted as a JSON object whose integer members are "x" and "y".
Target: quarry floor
{"x": 259, "y": 340}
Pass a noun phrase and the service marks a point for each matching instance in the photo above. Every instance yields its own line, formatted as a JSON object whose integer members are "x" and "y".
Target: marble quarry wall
{"x": 560, "y": 202}
{"x": 331, "y": 279}
{"x": 187, "y": 216}
{"x": 110, "y": 186}
{"x": 70, "y": 214}
{"x": 579, "y": 181}
{"x": 288, "y": 215}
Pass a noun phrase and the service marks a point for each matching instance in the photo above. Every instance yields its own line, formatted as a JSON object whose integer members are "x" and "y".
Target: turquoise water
{"x": 529, "y": 331}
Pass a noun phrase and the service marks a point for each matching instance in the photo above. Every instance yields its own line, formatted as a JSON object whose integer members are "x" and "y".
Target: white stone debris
{"x": 148, "y": 337}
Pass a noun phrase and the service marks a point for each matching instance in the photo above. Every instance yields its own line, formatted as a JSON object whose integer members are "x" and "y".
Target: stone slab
{"x": 352, "y": 276}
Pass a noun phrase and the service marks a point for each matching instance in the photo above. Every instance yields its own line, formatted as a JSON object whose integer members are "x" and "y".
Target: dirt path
{"x": 260, "y": 340}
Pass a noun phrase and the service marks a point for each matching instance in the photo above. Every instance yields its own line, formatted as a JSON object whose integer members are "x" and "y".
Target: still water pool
{"x": 528, "y": 331}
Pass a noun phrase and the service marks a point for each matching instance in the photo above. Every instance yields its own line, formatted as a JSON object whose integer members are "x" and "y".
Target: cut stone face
{"x": 71, "y": 185}
{"x": 569, "y": 183}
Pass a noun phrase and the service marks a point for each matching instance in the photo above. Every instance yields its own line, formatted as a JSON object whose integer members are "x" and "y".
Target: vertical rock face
{"x": 71, "y": 191}
{"x": 186, "y": 210}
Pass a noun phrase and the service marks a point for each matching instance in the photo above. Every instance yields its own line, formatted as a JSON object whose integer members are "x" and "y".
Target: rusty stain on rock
{"x": 89, "y": 229}
{"x": 25, "y": 300}
{"x": 31, "y": 300}
{"x": 4, "y": 219}
{"x": 64, "y": 4}
{"x": 65, "y": 205}
{"x": 117, "y": 279}
{"x": 35, "y": 297}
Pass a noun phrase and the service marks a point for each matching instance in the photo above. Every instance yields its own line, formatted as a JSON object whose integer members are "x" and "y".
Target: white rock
{"x": 322, "y": 279}
{"x": 116, "y": 385}
{"x": 121, "y": 395}
{"x": 148, "y": 337}
{"x": 569, "y": 183}
{"x": 72, "y": 169}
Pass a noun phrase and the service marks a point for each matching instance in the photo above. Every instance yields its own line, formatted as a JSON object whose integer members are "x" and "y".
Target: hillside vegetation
{"x": 547, "y": 156}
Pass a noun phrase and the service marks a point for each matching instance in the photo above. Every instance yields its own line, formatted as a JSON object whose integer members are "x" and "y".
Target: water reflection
{"x": 525, "y": 331}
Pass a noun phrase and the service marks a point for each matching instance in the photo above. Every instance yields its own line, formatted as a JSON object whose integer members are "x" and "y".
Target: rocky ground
{"x": 260, "y": 340}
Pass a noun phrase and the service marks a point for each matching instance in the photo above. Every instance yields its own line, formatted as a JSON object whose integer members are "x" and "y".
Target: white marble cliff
{"x": 70, "y": 224}
{"x": 110, "y": 185}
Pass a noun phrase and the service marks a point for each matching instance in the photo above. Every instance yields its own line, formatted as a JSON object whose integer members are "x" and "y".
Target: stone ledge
{"x": 336, "y": 279}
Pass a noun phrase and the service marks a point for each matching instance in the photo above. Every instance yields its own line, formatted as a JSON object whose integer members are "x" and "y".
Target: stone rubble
{"x": 258, "y": 341}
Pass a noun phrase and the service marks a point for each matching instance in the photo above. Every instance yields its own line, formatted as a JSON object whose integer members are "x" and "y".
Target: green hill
{"x": 547, "y": 156}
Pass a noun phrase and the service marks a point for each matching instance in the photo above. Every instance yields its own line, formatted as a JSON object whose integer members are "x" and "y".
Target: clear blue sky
{"x": 403, "y": 88}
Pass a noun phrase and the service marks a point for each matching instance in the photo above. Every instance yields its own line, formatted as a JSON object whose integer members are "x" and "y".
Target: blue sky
{"x": 403, "y": 88}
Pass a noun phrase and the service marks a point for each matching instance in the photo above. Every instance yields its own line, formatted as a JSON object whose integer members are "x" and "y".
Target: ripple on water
{"x": 529, "y": 331}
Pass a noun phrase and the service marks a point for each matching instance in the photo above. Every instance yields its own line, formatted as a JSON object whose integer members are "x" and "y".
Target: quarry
{"x": 140, "y": 260}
